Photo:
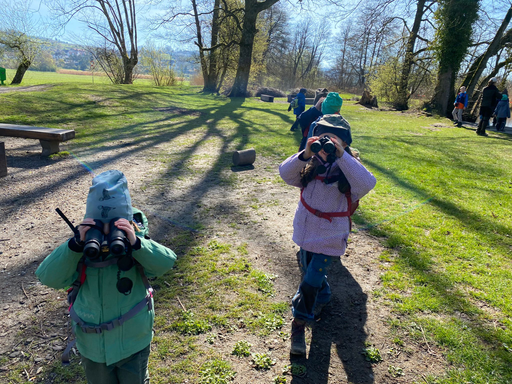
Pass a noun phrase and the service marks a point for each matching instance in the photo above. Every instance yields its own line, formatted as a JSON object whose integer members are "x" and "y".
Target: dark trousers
{"x": 501, "y": 123}
{"x": 485, "y": 115}
{"x": 295, "y": 125}
{"x": 132, "y": 370}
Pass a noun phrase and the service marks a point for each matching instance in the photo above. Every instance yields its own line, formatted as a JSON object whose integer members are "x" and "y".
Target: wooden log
{"x": 3, "y": 160}
{"x": 245, "y": 157}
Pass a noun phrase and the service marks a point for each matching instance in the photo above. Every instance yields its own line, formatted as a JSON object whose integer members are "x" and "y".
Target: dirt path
{"x": 30, "y": 229}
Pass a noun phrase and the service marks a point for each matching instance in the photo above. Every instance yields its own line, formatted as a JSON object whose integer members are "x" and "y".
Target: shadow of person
{"x": 340, "y": 324}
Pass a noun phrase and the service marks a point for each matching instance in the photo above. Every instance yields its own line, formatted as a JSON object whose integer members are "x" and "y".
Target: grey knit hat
{"x": 109, "y": 197}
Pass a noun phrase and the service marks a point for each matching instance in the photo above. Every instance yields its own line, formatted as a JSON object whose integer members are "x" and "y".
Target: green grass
{"x": 442, "y": 206}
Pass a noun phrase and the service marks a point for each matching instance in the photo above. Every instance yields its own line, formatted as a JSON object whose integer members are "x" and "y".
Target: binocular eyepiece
{"x": 95, "y": 239}
{"x": 324, "y": 143}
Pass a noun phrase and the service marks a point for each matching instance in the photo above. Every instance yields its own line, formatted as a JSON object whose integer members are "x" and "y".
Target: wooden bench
{"x": 50, "y": 138}
{"x": 267, "y": 98}
{"x": 309, "y": 100}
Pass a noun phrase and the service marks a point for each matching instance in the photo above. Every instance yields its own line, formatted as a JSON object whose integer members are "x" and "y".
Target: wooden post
{"x": 245, "y": 157}
{"x": 3, "y": 160}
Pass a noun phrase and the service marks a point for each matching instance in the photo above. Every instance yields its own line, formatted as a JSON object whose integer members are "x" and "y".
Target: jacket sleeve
{"x": 361, "y": 180}
{"x": 466, "y": 97}
{"x": 58, "y": 270}
{"x": 290, "y": 170}
{"x": 154, "y": 257}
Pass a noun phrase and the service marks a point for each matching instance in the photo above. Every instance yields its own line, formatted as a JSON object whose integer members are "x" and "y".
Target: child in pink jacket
{"x": 331, "y": 181}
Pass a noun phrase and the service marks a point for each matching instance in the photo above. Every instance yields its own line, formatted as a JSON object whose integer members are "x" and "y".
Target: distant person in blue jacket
{"x": 502, "y": 111}
{"x": 461, "y": 103}
{"x": 301, "y": 106}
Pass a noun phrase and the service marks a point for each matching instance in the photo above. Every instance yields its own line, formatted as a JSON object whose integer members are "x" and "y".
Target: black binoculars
{"x": 97, "y": 243}
{"x": 324, "y": 143}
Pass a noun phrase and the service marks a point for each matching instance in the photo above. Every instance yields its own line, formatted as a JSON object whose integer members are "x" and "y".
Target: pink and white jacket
{"x": 317, "y": 234}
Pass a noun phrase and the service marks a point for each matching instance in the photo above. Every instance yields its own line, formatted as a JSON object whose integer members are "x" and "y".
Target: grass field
{"x": 442, "y": 206}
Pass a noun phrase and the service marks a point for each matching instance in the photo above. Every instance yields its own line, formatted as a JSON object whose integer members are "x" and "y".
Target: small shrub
{"x": 189, "y": 325}
{"x": 210, "y": 339}
{"x": 372, "y": 354}
{"x": 262, "y": 361}
{"x": 216, "y": 372}
{"x": 295, "y": 370}
{"x": 280, "y": 380}
{"x": 242, "y": 348}
{"x": 395, "y": 371}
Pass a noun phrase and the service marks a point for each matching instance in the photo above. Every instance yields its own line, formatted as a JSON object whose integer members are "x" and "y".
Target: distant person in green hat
{"x": 502, "y": 111}
{"x": 331, "y": 104}
{"x": 107, "y": 264}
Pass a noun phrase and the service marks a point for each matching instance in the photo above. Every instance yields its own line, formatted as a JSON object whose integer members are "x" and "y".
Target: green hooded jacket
{"x": 99, "y": 300}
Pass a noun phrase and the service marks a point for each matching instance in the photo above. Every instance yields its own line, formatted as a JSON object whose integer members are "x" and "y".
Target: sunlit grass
{"x": 442, "y": 206}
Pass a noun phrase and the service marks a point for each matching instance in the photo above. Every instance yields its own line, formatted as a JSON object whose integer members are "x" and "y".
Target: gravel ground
{"x": 34, "y": 327}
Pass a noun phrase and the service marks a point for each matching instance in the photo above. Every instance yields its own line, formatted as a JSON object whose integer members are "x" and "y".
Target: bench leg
{"x": 3, "y": 160}
{"x": 49, "y": 147}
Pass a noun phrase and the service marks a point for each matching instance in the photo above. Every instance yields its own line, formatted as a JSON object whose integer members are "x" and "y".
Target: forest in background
{"x": 397, "y": 49}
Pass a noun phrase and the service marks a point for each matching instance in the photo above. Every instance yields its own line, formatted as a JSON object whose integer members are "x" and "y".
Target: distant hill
{"x": 77, "y": 57}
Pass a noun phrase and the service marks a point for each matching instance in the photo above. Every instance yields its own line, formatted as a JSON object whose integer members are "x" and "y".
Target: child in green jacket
{"x": 112, "y": 302}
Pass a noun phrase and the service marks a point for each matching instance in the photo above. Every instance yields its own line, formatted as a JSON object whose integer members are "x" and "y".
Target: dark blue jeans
{"x": 314, "y": 288}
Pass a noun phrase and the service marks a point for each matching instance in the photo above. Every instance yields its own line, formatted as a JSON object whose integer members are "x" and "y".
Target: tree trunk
{"x": 20, "y": 72}
{"x": 252, "y": 9}
{"x": 402, "y": 102}
{"x": 212, "y": 76}
{"x": 129, "y": 65}
{"x": 245, "y": 59}
{"x": 443, "y": 94}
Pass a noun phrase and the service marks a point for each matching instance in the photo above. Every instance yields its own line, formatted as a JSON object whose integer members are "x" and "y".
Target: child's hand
{"x": 308, "y": 152}
{"x": 84, "y": 228}
{"x": 340, "y": 147}
{"x": 125, "y": 225}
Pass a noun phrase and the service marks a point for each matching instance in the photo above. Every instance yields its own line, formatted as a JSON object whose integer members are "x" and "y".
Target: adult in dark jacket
{"x": 301, "y": 98}
{"x": 490, "y": 98}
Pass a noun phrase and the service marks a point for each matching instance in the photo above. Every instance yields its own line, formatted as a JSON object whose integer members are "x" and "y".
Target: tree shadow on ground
{"x": 342, "y": 325}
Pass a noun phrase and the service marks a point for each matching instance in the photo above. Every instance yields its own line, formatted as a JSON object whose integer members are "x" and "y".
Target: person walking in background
{"x": 331, "y": 104}
{"x": 502, "y": 111}
{"x": 331, "y": 180}
{"x": 301, "y": 106}
{"x": 461, "y": 103}
{"x": 490, "y": 98}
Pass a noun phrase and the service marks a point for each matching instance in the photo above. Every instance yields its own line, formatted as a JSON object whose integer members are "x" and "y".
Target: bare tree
{"x": 252, "y": 9}
{"x": 500, "y": 41}
{"x": 423, "y": 7}
{"x": 19, "y": 33}
{"x": 114, "y": 21}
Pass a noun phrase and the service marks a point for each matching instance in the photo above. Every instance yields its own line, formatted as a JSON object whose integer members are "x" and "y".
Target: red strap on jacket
{"x": 329, "y": 215}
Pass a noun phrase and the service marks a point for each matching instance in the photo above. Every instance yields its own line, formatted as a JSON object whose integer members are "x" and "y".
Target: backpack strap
{"x": 109, "y": 325}
{"x": 330, "y": 215}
